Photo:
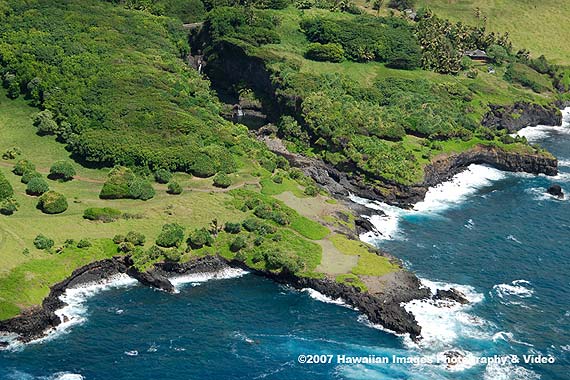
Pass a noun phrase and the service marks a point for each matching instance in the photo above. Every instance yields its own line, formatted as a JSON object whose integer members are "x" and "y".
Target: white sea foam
{"x": 67, "y": 376}
{"x": 75, "y": 311}
{"x": 326, "y": 299}
{"x": 517, "y": 288}
{"x": 542, "y": 131}
{"x": 508, "y": 371}
{"x": 386, "y": 225}
{"x": 199, "y": 278}
{"x": 438, "y": 199}
{"x": 443, "y": 321}
{"x": 461, "y": 186}
{"x": 509, "y": 337}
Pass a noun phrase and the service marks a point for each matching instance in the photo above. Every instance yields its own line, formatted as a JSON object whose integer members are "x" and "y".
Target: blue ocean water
{"x": 502, "y": 241}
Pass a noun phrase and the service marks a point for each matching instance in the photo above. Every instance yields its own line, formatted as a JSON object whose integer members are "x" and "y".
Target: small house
{"x": 477, "y": 55}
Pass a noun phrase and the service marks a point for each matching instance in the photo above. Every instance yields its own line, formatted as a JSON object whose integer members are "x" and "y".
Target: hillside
{"x": 375, "y": 97}
{"x": 539, "y": 26}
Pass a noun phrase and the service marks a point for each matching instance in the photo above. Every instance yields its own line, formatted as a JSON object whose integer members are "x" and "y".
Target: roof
{"x": 477, "y": 53}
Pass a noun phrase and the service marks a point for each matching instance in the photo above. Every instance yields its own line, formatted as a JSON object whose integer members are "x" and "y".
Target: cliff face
{"x": 444, "y": 167}
{"x": 520, "y": 115}
{"x": 382, "y": 307}
{"x": 441, "y": 169}
{"x": 33, "y": 324}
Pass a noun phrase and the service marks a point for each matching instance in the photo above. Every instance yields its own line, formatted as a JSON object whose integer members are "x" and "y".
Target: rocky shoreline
{"x": 442, "y": 168}
{"x": 383, "y": 308}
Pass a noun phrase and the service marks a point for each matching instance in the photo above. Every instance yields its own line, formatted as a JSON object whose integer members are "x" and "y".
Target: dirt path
{"x": 79, "y": 178}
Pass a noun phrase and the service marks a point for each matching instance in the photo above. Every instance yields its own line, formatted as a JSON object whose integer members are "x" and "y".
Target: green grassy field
{"x": 26, "y": 273}
{"x": 539, "y": 26}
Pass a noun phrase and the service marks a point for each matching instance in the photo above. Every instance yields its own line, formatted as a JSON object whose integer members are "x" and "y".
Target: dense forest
{"x": 111, "y": 79}
{"x": 420, "y": 95}
{"x": 114, "y": 86}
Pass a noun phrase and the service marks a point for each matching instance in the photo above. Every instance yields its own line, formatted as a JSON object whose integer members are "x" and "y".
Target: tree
{"x": 28, "y": 175}
{"x": 222, "y": 180}
{"x": 45, "y": 123}
{"x": 199, "y": 238}
{"x": 37, "y": 186}
{"x": 6, "y": 190}
{"x": 135, "y": 237}
{"x": 62, "y": 170}
{"x": 171, "y": 235}
{"x": 174, "y": 188}
{"x": 377, "y": 5}
{"x": 232, "y": 228}
{"x": 43, "y": 242}
{"x": 238, "y": 243}
{"x": 162, "y": 176}
{"x": 497, "y": 54}
{"x": 52, "y": 203}
{"x": 23, "y": 166}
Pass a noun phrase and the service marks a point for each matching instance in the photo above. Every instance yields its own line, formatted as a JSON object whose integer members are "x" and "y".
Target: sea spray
{"x": 198, "y": 278}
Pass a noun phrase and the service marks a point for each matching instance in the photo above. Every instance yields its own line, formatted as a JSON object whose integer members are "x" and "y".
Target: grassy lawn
{"x": 369, "y": 263}
{"x": 540, "y": 26}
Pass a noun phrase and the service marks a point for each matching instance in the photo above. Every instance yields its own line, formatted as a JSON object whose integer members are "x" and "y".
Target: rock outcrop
{"x": 451, "y": 295}
{"x": 32, "y": 324}
{"x": 555, "y": 190}
{"x": 520, "y": 115}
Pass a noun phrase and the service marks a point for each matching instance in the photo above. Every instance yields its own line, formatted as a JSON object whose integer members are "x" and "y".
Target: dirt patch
{"x": 334, "y": 261}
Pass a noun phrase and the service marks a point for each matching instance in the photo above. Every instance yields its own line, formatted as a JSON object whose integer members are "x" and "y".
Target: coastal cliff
{"x": 381, "y": 306}
{"x": 441, "y": 169}
{"x": 516, "y": 116}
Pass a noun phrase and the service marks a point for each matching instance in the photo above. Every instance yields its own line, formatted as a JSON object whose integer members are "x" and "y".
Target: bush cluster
{"x": 52, "y": 203}
{"x": 172, "y": 235}
{"x": 105, "y": 214}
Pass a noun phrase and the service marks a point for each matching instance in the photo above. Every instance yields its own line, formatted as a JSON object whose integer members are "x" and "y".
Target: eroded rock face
{"x": 520, "y": 115}
{"x": 445, "y": 167}
{"x": 33, "y": 323}
{"x": 152, "y": 279}
{"x": 555, "y": 190}
{"x": 451, "y": 295}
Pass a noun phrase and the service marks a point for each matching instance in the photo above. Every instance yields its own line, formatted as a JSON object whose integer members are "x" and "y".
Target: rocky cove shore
{"x": 383, "y": 307}
{"x": 442, "y": 168}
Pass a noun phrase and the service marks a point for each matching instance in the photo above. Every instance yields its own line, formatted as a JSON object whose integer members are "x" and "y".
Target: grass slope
{"x": 540, "y": 26}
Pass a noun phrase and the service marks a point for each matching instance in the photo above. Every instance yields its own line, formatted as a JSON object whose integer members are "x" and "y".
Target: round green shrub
{"x": 117, "y": 239}
{"x": 135, "y": 237}
{"x": 332, "y": 52}
{"x": 62, "y": 170}
{"x": 199, "y": 238}
{"x": 37, "y": 186}
{"x": 171, "y": 235}
{"x": 27, "y": 176}
{"x": 23, "y": 166}
{"x": 8, "y": 206}
{"x": 52, "y": 203}
{"x": 141, "y": 189}
{"x": 238, "y": 244}
{"x": 232, "y": 228}
{"x": 43, "y": 242}
{"x": 84, "y": 243}
{"x": 222, "y": 180}
{"x": 162, "y": 176}
{"x": 6, "y": 190}
{"x": 203, "y": 166}
{"x": 174, "y": 188}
